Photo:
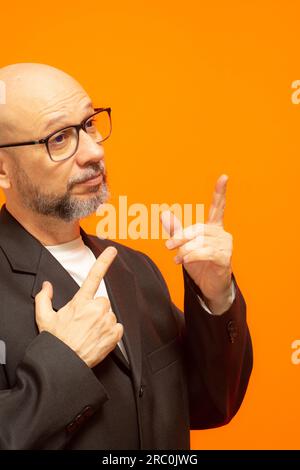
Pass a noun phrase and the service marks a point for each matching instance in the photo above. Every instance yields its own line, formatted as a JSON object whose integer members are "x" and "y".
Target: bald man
{"x": 96, "y": 354}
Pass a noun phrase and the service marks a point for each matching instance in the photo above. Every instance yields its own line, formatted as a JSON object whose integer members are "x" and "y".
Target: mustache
{"x": 92, "y": 171}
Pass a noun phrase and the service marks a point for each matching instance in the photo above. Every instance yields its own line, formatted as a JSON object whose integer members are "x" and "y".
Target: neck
{"x": 48, "y": 230}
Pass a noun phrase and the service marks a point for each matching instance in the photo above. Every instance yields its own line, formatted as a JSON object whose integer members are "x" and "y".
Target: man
{"x": 97, "y": 355}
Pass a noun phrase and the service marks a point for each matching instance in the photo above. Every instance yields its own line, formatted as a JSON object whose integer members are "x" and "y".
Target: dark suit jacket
{"x": 185, "y": 372}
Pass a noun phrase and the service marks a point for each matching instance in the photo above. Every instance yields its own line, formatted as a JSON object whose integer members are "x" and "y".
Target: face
{"x": 70, "y": 189}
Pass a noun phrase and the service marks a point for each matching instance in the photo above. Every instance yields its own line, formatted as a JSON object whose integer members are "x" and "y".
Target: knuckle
{"x": 228, "y": 235}
{"x": 219, "y": 231}
{"x": 119, "y": 331}
{"x": 103, "y": 302}
{"x": 201, "y": 240}
{"x": 109, "y": 321}
{"x": 106, "y": 303}
{"x": 112, "y": 317}
{"x": 94, "y": 277}
{"x": 229, "y": 239}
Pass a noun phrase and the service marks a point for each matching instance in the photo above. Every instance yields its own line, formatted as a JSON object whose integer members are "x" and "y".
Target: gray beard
{"x": 65, "y": 207}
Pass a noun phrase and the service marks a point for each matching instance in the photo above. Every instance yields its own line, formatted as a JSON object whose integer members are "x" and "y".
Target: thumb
{"x": 170, "y": 222}
{"x": 43, "y": 303}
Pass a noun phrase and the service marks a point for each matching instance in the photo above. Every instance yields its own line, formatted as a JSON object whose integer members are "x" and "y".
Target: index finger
{"x": 216, "y": 212}
{"x": 96, "y": 274}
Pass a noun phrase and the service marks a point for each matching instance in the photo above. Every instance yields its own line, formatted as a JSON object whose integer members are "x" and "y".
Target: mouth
{"x": 92, "y": 181}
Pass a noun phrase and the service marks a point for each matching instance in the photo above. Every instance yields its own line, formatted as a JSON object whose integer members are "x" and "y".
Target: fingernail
{"x": 177, "y": 259}
{"x": 169, "y": 243}
{"x": 112, "y": 250}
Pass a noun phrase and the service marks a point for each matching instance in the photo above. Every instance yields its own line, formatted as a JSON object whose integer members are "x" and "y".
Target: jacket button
{"x": 141, "y": 391}
{"x": 232, "y": 330}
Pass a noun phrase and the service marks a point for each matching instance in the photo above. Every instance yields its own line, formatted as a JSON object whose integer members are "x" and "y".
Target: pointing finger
{"x": 96, "y": 274}
{"x": 216, "y": 212}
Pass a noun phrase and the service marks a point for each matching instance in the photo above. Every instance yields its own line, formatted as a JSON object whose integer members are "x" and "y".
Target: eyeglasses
{"x": 63, "y": 144}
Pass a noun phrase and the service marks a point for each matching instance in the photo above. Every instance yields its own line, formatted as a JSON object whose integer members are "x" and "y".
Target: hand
{"x": 86, "y": 325}
{"x": 205, "y": 250}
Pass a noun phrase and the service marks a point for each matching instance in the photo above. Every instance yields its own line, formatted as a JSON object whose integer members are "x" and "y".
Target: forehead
{"x": 58, "y": 119}
{"x": 66, "y": 106}
{"x": 47, "y": 121}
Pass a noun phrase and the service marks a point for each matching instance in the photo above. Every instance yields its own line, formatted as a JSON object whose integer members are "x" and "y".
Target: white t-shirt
{"x": 77, "y": 259}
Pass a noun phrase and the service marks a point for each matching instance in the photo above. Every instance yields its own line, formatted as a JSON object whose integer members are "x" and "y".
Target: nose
{"x": 88, "y": 150}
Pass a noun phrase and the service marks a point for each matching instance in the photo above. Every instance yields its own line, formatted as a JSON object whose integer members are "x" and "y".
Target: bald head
{"x": 35, "y": 94}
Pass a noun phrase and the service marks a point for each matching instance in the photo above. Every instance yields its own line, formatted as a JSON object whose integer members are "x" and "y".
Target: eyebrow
{"x": 57, "y": 119}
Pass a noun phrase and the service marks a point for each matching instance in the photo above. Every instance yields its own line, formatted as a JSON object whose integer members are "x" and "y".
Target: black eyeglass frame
{"x": 78, "y": 127}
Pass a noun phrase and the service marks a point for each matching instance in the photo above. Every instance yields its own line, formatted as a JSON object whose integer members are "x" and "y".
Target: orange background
{"x": 198, "y": 89}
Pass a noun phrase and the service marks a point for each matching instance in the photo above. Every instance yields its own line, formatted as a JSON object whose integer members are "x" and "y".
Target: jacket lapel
{"x": 49, "y": 269}
{"x": 121, "y": 287}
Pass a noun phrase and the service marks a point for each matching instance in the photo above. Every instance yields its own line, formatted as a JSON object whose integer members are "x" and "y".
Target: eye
{"x": 90, "y": 124}
{"x": 58, "y": 139}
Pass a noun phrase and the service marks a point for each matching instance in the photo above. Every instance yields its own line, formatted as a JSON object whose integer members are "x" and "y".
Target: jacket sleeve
{"x": 217, "y": 352}
{"x": 218, "y": 358}
{"x": 55, "y": 392}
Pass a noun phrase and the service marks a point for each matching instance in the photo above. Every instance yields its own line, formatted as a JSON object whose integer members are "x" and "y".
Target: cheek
{"x": 57, "y": 176}
{"x": 50, "y": 175}
{"x": 32, "y": 162}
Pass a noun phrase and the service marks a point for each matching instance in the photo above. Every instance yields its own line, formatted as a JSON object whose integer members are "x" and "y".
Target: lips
{"x": 93, "y": 181}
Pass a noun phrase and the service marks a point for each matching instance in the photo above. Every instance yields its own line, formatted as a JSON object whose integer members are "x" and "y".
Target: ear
{"x": 5, "y": 181}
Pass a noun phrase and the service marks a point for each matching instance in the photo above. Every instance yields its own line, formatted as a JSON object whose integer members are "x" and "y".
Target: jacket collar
{"x": 26, "y": 254}
{"x": 22, "y": 250}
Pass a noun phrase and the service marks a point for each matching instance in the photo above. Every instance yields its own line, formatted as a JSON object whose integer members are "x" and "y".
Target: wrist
{"x": 221, "y": 303}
